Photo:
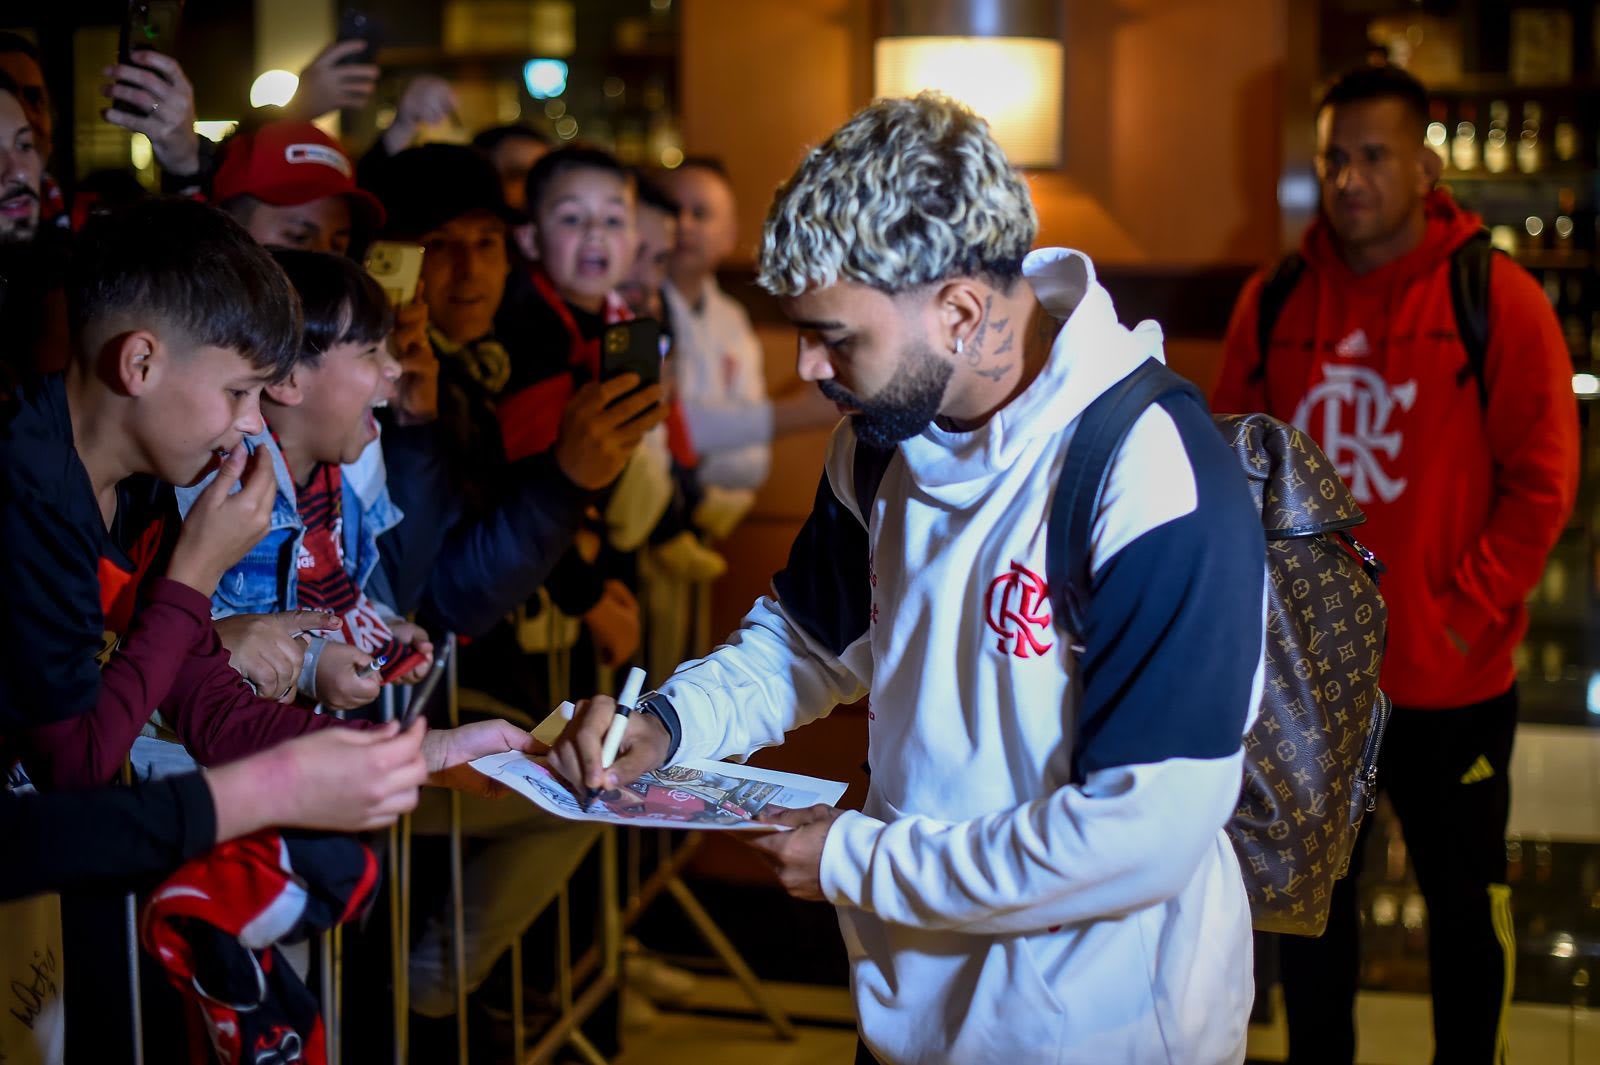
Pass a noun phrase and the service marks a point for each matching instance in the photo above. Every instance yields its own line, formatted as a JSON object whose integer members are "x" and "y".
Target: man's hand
{"x": 417, "y": 396}
{"x": 340, "y": 683}
{"x": 415, "y": 637}
{"x": 447, "y": 752}
{"x": 269, "y": 649}
{"x": 326, "y": 86}
{"x": 220, "y": 527}
{"x": 575, "y": 757}
{"x": 597, "y": 439}
{"x": 334, "y": 779}
{"x": 614, "y": 624}
{"x": 427, "y": 101}
{"x": 164, "y": 92}
{"x": 796, "y": 856}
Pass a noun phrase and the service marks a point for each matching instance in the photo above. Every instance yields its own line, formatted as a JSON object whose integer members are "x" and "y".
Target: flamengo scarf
{"x": 215, "y": 925}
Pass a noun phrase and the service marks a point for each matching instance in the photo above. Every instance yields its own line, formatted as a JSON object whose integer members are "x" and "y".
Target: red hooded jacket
{"x": 1463, "y": 502}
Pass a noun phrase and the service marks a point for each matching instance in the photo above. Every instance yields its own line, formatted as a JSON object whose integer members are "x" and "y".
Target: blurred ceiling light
{"x": 1002, "y": 60}
{"x": 545, "y": 78}
{"x": 216, "y": 130}
{"x": 274, "y": 88}
{"x": 672, "y": 158}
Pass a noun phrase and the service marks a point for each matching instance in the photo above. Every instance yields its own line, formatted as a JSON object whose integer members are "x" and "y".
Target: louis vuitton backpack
{"x": 1310, "y": 769}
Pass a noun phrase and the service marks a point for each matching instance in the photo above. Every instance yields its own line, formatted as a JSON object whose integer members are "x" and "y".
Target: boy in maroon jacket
{"x": 1466, "y": 483}
{"x": 179, "y": 321}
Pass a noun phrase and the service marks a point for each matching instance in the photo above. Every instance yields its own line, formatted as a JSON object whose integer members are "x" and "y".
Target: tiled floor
{"x": 1555, "y": 843}
{"x": 1394, "y": 1031}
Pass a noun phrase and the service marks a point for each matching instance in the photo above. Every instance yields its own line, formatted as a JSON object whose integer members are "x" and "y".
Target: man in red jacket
{"x": 1465, "y": 490}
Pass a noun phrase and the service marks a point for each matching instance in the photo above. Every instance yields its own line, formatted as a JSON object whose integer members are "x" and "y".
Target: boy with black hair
{"x": 322, "y": 547}
{"x": 179, "y": 320}
{"x": 484, "y": 527}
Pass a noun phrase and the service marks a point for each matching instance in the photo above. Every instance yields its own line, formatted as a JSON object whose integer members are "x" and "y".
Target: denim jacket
{"x": 263, "y": 582}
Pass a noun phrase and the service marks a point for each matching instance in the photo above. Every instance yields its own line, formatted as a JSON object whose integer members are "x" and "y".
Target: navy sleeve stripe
{"x": 824, "y": 588}
{"x": 1174, "y": 625}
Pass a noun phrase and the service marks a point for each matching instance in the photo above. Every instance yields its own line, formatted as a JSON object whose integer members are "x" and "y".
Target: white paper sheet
{"x": 691, "y": 794}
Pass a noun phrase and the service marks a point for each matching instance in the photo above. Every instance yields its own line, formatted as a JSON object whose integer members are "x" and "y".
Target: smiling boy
{"x": 180, "y": 321}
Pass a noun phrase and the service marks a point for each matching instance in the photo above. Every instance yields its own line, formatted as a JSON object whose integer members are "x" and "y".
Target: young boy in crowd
{"x": 322, "y": 545}
{"x": 582, "y": 243}
{"x": 483, "y": 530}
{"x": 179, "y": 320}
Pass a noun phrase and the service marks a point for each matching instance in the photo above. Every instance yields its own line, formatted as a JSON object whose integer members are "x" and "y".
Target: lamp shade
{"x": 1013, "y": 82}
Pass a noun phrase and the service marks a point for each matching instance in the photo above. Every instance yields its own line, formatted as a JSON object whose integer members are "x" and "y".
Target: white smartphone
{"x": 397, "y": 267}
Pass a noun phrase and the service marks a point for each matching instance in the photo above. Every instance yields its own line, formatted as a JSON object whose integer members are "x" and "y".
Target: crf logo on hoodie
{"x": 1351, "y": 412}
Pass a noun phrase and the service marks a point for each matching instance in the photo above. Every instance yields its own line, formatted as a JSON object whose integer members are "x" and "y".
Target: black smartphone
{"x": 150, "y": 26}
{"x": 632, "y": 347}
{"x": 357, "y": 25}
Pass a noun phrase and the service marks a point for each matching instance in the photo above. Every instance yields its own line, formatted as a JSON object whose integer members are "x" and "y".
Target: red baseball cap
{"x": 289, "y": 163}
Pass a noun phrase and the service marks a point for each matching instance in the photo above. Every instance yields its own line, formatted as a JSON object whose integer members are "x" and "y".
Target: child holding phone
{"x": 322, "y": 548}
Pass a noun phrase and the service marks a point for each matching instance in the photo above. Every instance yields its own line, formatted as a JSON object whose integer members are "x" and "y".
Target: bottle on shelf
{"x": 1529, "y": 150}
{"x": 1496, "y": 150}
{"x": 1438, "y": 134}
{"x": 1565, "y": 140}
{"x": 1563, "y": 227}
{"x": 1464, "y": 146}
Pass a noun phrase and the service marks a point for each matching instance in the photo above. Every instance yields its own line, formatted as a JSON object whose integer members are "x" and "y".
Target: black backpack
{"x": 1470, "y": 265}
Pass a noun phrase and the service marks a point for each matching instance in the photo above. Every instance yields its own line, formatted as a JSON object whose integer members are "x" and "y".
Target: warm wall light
{"x": 1013, "y": 82}
{"x": 1002, "y": 59}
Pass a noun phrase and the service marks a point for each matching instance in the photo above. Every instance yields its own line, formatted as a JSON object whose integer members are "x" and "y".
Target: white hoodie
{"x": 1040, "y": 873}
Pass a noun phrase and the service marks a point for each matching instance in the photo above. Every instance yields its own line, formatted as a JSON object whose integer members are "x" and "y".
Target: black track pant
{"x": 1446, "y": 773}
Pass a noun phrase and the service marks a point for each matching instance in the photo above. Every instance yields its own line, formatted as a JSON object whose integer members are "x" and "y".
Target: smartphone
{"x": 396, "y": 266}
{"x": 632, "y": 347}
{"x": 358, "y": 26}
{"x": 147, "y": 25}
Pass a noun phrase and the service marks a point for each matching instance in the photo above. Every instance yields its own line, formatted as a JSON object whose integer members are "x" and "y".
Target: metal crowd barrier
{"x": 583, "y": 983}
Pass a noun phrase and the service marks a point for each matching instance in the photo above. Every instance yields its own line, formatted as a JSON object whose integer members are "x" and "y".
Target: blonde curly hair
{"x": 908, "y": 192}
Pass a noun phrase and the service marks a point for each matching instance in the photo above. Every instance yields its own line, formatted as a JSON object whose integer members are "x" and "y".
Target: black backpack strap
{"x": 1470, "y": 267}
{"x": 1102, "y": 428}
{"x": 1274, "y": 294}
{"x": 870, "y": 464}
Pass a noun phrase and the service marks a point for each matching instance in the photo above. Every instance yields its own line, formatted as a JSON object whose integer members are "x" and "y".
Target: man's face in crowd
{"x": 321, "y": 225}
{"x": 195, "y": 403}
{"x": 658, "y": 234}
{"x": 707, "y": 224}
{"x": 21, "y": 167}
{"x": 585, "y": 232}
{"x": 35, "y": 96}
{"x": 512, "y": 159}
{"x": 872, "y": 354}
{"x": 464, "y": 275}
{"x": 328, "y": 407}
{"x": 1373, "y": 168}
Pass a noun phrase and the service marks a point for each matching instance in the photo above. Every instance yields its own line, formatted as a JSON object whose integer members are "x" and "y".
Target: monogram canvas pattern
{"x": 1310, "y": 759}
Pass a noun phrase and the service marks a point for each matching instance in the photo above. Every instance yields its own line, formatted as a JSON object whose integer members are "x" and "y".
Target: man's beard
{"x": 902, "y": 408}
{"x": 19, "y": 231}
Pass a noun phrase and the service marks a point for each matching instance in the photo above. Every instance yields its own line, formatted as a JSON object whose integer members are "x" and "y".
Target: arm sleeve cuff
{"x": 660, "y": 707}
{"x": 846, "y": 854}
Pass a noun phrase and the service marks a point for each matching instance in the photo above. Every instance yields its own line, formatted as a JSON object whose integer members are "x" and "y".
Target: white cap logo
{"x": 320, "y": 154}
